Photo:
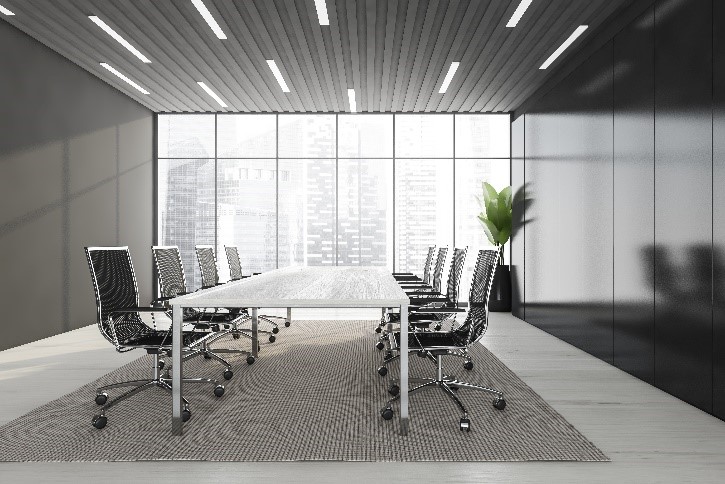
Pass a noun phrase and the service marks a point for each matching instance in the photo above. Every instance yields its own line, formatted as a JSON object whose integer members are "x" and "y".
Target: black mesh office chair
{"x": 128, "y": 326}
{"x": 435, "y": 284}
{"x": 441, "y": 343}
{"x": 410, "y": 277}
{"x": 172, "y": 281}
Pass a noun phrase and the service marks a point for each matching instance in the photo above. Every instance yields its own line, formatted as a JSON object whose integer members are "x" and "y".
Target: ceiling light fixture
{"x": 124, "y": 78}
{"x": 449, "y": 77}
{"x": 579, "y": 30}
{"x": 119, "y": 39}
{"x": 518, "y": 13}
{"x": 5, "y": 11}
{"x": 212, "y": 94}
{"x": 209, "y": 19}
{"x": 278, "y": 75}
{"x": 351, "y": 100}
{"x": 322, "y": 12}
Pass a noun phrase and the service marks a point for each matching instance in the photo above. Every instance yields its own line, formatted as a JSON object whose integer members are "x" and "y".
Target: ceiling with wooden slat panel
{"x": 394, "y": 53}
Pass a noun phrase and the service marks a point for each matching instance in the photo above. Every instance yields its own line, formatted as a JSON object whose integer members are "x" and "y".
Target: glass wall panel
{"x": 306, "y": 212}
{"x": 186, "y": 136}
{"x": 247, "y": 214}
{"x": 424, "y": 136}
{"x": 186, "y": 210}
{"x": 423, "y": 210}
{"x": 307, "y": 136}
{"x": 365, "y": 212}
{"x": 483, "y": 135}
{"x": 368, "y": 136}
{"x": 247, "y": 135}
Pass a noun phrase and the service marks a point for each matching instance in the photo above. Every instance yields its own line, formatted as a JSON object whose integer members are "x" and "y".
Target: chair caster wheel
{"x": 219, "y": 390}
{"x": 382, "y": 371}
{"x": 379, "y": 329}
{"x": 287, "y": 324}
{"x": 387, "y": 413}
{"x": 275, "y": 330}
{"x": 380, "y": 345}
{"x": 250, "y": 359}
{"x": 499, "y": 403}
{"x": 272, "y": 338}
{"x": 437, "y": 327}
{"x": 465, "y": 424}
{"x": 162, "y": 364}
{"x": 468, "y": 365}
{"x": 420, "y": 353}
{"x": 185, "y": 415}
{"x": 101, "y": 399}
{"x": 388, "y": 355}
{"x": 99, "y": 421}
{"x": 228, "y": 374}
{"x": 236, "y": 336}
{"x": 207, "y": 356}
{"x": 393, "y": 389}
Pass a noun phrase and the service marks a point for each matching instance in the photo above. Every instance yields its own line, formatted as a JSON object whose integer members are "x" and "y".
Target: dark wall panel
{"x": 76, "y": 169}
{"x": 683, "y": 200}
{"x": 634, "y": 198}
{"x": 519, "y": 217}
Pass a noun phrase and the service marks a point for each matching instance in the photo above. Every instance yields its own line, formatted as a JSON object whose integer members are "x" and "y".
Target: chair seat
{"x": 434, "y": 339}
{"x": 161, "y": 339}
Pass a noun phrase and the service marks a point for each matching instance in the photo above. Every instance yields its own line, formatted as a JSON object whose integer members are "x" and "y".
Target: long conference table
{"x": 296, "y": 287}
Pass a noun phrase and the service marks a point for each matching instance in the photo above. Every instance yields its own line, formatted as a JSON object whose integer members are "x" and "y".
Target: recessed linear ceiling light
{"x": 212, "y": 94}
{"x": 209, "y": 19}
{"x": 518, "y": 13}
{"x": 119, "y": 39}
{"x": 278, "y": 75}
{"x": 579, "y": 30}
{"x": 351, "y": 100}
{"x": 124, "y": 78}
{"x": 322, "y": 12}
{"x": 449, "y": 77}
{"x": 5, "y": 11}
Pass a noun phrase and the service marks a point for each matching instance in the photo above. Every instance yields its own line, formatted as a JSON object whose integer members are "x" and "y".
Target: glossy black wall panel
{"x": 634, "y": 198}
{"x": 683, "y": 199}
{"x": 718, "y": 398}
{"x": 568, "y": 248}
{"x": 519, "y": 217}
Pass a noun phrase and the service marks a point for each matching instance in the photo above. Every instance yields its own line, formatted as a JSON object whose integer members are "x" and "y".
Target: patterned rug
{"x": 313, "y": 395}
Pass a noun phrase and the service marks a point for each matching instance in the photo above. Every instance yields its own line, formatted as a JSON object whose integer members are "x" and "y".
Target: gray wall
{"x": 621, "y": 237}
{"x": 76, "y": 169}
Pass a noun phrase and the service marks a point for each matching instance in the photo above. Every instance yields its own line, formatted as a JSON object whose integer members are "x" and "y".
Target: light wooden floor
{"x": 649, "y": 435}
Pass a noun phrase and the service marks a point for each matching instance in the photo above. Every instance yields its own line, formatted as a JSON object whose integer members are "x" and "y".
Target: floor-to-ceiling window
{"x": 326, "y": 189}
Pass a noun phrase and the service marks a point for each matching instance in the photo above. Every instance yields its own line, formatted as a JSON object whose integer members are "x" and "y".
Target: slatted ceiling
{"x": 394, "y": 53}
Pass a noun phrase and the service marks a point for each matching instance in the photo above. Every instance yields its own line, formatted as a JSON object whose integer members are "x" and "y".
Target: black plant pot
{"x": 500, "y": 299}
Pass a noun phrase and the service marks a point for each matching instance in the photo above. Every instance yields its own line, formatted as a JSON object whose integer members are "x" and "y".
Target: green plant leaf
{"x": 492, "y": 212}
{"x": 503, "y": 235}
{"x": 490, "y": 229}
{"x": 504, "y": 198}
{"x": 489, "y": 193}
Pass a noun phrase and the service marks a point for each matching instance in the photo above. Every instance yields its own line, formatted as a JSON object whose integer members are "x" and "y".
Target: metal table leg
{"x": 255, "y": 333}
{"x": 176, "y": 374}
{"x": 403, "y": 369}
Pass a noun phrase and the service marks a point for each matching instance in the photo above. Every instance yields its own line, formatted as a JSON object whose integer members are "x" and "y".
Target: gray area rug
{"x": 313, "y": 395}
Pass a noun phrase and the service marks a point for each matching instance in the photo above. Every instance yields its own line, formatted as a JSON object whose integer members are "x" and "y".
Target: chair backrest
{"x": 438, "y": 270}
{"x": 207, "y": 265}
{"x": 170, "y": 269}
{"x": 114, "y": 283}
{"x": 454, "y": 275}
{"x": 428, "y": 262}
{"x": 476, "y": 321}
{"x": 235, "y": 265}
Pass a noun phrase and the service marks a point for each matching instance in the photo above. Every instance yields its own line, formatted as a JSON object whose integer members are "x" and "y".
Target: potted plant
{"x": 496, "y": 221}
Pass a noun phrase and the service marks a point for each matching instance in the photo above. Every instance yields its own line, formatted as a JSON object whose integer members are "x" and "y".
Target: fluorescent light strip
{"x": 8, "y": 12}
{"x": 119, "y": 39}
{"x": 579, "y": 30}
{"x": 518, "y": 13}
{"x": 449, "y": 77}
{"x": 212, "y": 94}
{"x": 351, "y": 100}
{"x": 322, "y": 12}
{"x": 124, "y": 78}
{"x": 209, "y": 19}
{"x": 278, "y": 75}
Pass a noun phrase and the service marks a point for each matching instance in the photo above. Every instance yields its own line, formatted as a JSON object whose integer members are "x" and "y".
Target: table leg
{"x": 403, "y": 369}
{"x": 255, "y": 333}
{"x": 289, "y": 316}
{"x": 176, "y": 373}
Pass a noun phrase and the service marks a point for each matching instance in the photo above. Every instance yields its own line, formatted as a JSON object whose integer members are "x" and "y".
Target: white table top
{"x": 344, "y": 287}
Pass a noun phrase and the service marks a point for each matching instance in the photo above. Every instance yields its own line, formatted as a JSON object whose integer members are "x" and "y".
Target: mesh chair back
{"x": 170, "y": 269}
{"x": 454, "y": 275}
{"x": 207, "y": 265}
{"x": 428, "y": 262}
{"x": 114, "y": 284}
{"x": 476, "y": 321}
{"x": 438, "y": 271}
{"x": 235, "y": 265}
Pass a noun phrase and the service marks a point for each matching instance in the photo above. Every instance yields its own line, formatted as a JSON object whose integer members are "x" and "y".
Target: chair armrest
{"x": 256, "y": 273}
{"x": 245, "y": 277}
{"x": 139, "y": 310}
{"x": 421, "y": 301}
{"x": 440, "y": 310}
